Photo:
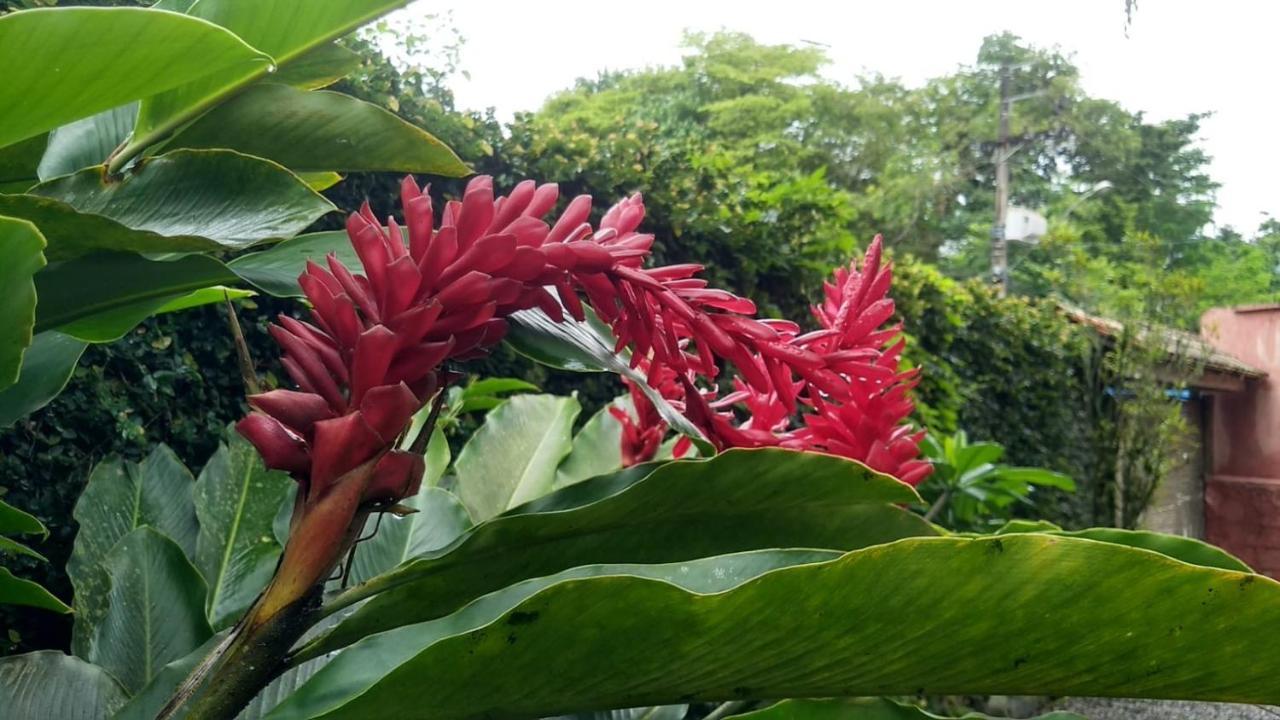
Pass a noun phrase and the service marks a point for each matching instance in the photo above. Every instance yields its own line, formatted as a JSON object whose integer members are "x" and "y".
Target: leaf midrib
{"x": 231, "y": 537}
{"x": 146, "y": 624}
{"x": 539, "y": 449}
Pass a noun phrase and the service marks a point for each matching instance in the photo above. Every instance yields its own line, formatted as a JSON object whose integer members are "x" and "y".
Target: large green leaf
{"x": 709, "y": 574}
{"x": 512, "y": 458}
{"x": 288, "y": 30}
{"x": 20, "y": 591}
{"x": 21, "y": 257}
{"x": 1189, "y": 550}
{"x": 119, "y": 498}
{"x": 72, "y": 233}
{"x": 19, "y": 163}
{"x": 865, "y": 709}
{"x": 46, "y": 368}
{"x": 319, "y": 130}
{"x": 225, "y": 196}
{"x": 1018, "y": 614}
{"x": 276, "y": 269}
{"x": 146, "y": 703}
{"x": 236, "y": 500}
{"x": 67, "y": 63}
{"x": 47, "y": 684}
{"x": 597, "y": 448}
{"x": 155, "y": 611}
{"x": 100, "y": 297}
{"x": 738, "y": 500}
{"x": 87, "y": 141}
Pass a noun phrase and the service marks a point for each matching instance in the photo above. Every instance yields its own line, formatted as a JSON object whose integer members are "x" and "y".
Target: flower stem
{"x": 254, "y": 654}
{"x": 252, "y": 659}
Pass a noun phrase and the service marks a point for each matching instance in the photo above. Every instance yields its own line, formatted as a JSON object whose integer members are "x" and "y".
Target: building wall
{"x": 1242, "y": 516}
{"x": 1242, "y": 490}
{"x": 1246, "y": 425}
{"x": 1177, "y": 506}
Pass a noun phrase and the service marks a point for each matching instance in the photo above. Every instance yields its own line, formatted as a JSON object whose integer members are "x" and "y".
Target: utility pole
{"x": 999, "y": 247}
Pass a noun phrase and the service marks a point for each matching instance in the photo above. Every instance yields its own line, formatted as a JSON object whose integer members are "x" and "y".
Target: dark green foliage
{"x": 1011, "y": 369}
{"x": 733, "y": 162}
{"x": 172, "y": 380}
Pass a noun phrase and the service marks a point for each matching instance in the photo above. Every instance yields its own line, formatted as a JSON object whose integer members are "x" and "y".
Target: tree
{"x": 726, "y": 161}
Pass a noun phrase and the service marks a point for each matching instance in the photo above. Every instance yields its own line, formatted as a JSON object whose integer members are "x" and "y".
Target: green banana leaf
{"x": 46, "y": 684}
{"x": 738, "y": 500}
{"x": 236, "y": 498}
{"x": 512, "y": 458}
{"x": 67, "y": 63}
{"x": 225, "y": 199}
{"x": 311, "y": 131}
{"x": 120, "y": 497}
{"x": 47, "y": 366}
{"x": 1018, "y": 614}
{"x": 287, "y": 30}
{"x": 21, "y": 257}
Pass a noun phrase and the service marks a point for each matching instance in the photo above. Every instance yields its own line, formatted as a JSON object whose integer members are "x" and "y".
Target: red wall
{"x": 1242, "y": 516}
{"x": 1242, "y": 488}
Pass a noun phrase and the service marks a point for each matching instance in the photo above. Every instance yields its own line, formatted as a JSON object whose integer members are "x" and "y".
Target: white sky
{"x": 1180, "y": 56}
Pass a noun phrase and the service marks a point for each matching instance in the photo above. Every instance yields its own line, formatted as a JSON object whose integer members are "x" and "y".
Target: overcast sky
{"x": 1180, "y": 56}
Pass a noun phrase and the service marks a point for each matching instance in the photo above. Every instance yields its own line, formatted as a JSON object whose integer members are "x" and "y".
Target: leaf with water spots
{"x": 236, "y": 500}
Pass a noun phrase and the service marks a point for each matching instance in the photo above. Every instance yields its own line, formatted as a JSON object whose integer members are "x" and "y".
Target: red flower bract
{"x": 836, "y": 389}
{"x": 375, "y": 350}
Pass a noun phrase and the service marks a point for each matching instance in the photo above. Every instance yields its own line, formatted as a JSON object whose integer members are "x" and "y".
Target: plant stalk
{"x": 938, "y": 505}
{"x": 252, "y": 659}
{"x": 255, "y": 653}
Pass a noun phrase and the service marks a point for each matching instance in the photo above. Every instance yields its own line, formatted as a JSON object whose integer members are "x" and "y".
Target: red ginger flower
{"x": 375, "y": 352}
{"x": 849, "y": 398}
{"x": 642, "y": 436}
{"x": 869, "y": 423}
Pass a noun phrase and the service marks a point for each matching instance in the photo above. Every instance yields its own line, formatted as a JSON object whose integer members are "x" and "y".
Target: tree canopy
{"x": 752, "y": 157}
